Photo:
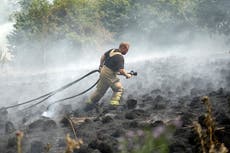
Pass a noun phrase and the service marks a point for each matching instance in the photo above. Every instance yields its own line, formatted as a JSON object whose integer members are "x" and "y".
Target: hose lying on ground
{"x": 50, "y": 94}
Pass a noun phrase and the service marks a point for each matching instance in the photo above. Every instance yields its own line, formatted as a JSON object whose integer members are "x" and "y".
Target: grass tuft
{"x": 72, "y": 144}
{"x": 206, "y": 135}
{"x": 19, "y": 136}
{"x": 47, "y": 147}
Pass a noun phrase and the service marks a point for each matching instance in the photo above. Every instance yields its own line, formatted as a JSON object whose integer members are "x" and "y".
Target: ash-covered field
{"x": 165, "y": 89}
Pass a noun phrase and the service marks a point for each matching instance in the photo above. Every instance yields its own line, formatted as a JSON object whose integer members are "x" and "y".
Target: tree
{"x": 40, "y": 25}
{"x": 214, "y": 16}
{"x": 114, "y": 15}
{"x": 79, "y": 22}
{"x": 94, "y": 22}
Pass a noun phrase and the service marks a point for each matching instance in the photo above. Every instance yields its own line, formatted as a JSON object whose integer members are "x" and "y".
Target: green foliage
{"x": 32, "y": 22}
{"x": 74, "y": 20}
{"x": 115, "y": 14}
{"x": 214, "y": 16}
{"x": 150, "y": 141}
{"x": 95, "y": 22}
{"x": 78, "y": 21}
{"x": 154, "y": 144}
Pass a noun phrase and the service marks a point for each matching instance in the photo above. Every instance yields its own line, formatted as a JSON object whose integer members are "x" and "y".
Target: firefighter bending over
{"x": 111, "y": 64}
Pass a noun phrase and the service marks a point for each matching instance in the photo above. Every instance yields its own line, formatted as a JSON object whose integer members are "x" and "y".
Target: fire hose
{"x": 52, "y": 93}
{"x": 57, "y": 101}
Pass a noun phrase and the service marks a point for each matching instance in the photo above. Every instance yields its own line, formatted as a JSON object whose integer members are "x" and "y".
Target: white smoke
{"x": 50, "y": 1}
{"x": 6, "y": 28}
{"x": 159, "y": 66}
{"x": 6, "y": 25}
{"x": 5, "y": 54}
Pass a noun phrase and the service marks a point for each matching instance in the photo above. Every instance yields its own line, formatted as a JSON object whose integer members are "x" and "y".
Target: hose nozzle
{"x": 133, "y": 73}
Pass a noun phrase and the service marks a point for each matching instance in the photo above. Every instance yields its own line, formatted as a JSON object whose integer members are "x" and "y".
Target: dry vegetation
{"x": 206, "y": 134}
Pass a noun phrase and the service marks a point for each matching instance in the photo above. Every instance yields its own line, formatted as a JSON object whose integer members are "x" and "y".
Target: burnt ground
{"x": 103, "y": 132}
{"x": 162, "y": 114}
{"x": 106, "y": 130}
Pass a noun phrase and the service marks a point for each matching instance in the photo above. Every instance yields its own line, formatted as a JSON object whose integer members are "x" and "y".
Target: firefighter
{"x": 111, "y": 64}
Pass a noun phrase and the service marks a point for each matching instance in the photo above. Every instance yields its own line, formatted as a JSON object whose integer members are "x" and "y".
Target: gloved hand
{"x": 128, "y": 76}
{"x": 100, "y": 67}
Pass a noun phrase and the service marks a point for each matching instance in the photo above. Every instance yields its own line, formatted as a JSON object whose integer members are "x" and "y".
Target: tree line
{"x": 95, "y": 22}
